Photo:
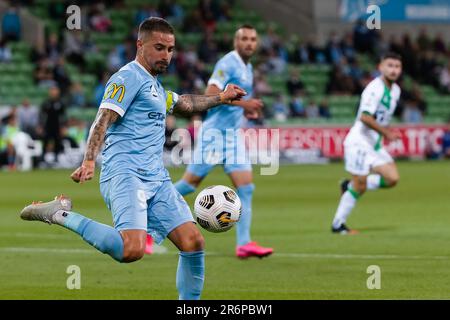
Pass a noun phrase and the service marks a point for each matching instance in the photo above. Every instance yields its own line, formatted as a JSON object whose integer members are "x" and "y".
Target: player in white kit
{"x": 370, "y": 165}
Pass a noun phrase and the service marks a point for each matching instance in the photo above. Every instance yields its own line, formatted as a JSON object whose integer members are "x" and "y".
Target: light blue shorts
{"x": 229, "y": 153}
{"x": 154, "y": 206}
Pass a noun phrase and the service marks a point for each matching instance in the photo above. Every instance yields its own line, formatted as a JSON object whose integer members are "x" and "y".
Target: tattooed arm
{"x": 189, "y": 103}
{"x": 104, "y": 118}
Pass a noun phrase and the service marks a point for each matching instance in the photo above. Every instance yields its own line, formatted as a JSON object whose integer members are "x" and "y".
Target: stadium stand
{"x": 333, "y": 73}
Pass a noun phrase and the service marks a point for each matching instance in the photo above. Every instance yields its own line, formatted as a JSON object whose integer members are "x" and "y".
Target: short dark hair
{"x": 154, "y": 24}
{"x": 246, "y": 26}
{"x": 391, "y": 55}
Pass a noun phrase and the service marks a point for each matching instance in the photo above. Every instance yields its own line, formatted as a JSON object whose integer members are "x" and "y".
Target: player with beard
{"x": 133, "y": 181}
{"x": 370, "y": 165}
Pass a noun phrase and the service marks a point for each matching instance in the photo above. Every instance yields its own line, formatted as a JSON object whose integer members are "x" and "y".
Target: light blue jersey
{"x": 230, "y": 69}
{"x": 134, "y": 183}
{"x": 134, "y": 144}
{"x": 230, "y": 152}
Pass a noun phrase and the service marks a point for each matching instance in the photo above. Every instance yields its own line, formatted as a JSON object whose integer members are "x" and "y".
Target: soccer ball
{"x": 217, "y": 208}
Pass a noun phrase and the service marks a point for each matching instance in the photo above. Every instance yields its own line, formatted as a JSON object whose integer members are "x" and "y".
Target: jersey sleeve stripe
{"x": 217, "y": 83}
{"x": 113, "y": 107}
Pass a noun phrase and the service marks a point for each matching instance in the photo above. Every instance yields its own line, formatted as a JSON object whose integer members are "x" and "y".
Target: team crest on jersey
{"x": 153, "y": 91}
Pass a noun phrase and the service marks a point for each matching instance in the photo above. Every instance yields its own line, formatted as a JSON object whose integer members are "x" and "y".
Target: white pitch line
{"x": 344, "y": 256}
{"x": 36, "y": 235}
{"x": 156, "y": 250}
{"x": 44, "y": 250}
{"x": 163, "y": 250}
{"x": 358, "y": 256}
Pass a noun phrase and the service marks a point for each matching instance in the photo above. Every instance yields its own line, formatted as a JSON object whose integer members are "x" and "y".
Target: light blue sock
{"x": 245, "y": 193}
{"x": 183, "y": 187}
{"x": 190, "y": 275}
{"x": 101, "y": 236}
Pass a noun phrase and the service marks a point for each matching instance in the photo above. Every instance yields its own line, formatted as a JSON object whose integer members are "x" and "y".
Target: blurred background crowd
{"x": 51, "y": 91}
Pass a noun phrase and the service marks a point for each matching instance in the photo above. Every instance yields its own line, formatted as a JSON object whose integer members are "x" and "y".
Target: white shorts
{"x": 360, "y": 159}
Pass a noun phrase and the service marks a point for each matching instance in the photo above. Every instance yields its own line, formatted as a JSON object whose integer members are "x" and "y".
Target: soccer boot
{"x": 344, "y": 185}
{"x": 252, "y": 249}
{"x": 343, "y": 229}
{"x": 149, "y": 245}
{"x": 45, "y": 211}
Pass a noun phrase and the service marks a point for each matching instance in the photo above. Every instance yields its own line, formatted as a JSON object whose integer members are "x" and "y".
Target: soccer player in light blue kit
{"x": 134, "y": 183}
{"x": 235, "y": 68}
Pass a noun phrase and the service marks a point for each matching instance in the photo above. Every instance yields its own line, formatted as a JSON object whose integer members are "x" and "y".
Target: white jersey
{"x": 380, "y": 102}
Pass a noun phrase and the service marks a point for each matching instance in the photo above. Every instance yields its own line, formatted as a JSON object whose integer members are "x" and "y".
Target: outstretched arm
{"x": 252, "y": 107}
{"x": 104, "y": 118}
{"x": 190, "y": 103}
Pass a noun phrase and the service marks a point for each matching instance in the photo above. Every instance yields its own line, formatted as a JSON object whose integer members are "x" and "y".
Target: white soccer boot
{"x": 45, "y": 211}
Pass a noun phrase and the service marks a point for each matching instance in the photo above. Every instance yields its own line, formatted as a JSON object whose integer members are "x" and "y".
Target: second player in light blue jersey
{"x": 230, "y": 152}
{"x": 133, "y": 182}
{"x": 231, "y": 68}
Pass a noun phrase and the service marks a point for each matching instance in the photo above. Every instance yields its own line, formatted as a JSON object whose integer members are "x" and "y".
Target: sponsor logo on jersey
{"x": 156, "y": 115}
{"x": 113, "y": 90}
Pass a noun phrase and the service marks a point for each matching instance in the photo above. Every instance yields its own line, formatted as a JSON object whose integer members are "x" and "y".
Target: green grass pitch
{"x": 405, "y": 231}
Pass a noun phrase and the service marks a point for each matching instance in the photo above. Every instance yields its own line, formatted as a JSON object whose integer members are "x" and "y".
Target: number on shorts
{"x": 142, "y": 198}
{"x": 360, "y": 159}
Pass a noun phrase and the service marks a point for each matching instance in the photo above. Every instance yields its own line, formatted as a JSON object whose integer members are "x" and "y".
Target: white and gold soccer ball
{"x": 217, "y": 208}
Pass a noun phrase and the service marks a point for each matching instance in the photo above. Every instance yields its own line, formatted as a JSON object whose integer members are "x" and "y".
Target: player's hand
{"x": 252, "y": 108}
{"x": 393, "y": 135}
{"x": 84, "y": 173}
{"x": 232, "y": 92}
